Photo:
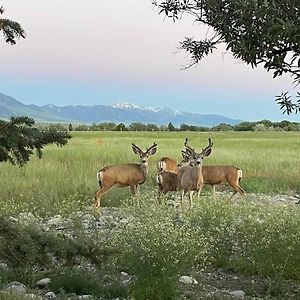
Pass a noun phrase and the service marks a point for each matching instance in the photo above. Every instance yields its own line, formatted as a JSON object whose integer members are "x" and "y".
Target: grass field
{"x": 65, "y": 179}
{"x": 250, "y": 237}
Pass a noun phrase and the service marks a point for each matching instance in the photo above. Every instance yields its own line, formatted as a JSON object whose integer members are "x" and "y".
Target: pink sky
{"x": 104, "y": 52}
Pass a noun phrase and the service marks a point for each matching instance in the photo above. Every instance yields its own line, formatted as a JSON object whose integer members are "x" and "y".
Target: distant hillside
{"x": 123, "y": 112}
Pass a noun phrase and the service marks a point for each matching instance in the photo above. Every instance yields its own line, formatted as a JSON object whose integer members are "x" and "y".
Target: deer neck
{"x": 144, "y": 168}
{"x": 197, "y": 172}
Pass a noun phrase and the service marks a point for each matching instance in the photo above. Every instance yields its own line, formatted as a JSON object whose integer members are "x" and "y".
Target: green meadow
{"x": 255, "y": 239}
{"x": 64, "y": 179}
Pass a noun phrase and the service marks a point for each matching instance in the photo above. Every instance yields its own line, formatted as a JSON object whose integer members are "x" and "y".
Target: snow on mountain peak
{"x": 126, "y": 105}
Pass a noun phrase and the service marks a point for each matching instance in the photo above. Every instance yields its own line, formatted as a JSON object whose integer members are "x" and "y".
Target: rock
{"x": 33, "y": 296}
{"x": 26, "y": 217}
{"x": 50, "y": 295}
{"x": 126, "y": 282}
{"x": 85, "y": 297}
{"x": 43, "y": 282}
{"x": 238, "y": 294}
{"x": 3, "y": 266}
{"x": 188, "y": 280}
{"x": 15, "y": 287}
{"x": 124, "y": 274}
{"x": 55, "y": 221}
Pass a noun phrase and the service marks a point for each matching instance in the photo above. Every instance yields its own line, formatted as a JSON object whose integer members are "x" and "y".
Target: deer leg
{"x": 99, "y": 193}
{"x": 241, "y": 191}
{"x": 181, "y": 197}
{"x": 190, "y": 194}
{"x": 213, "y": 191}
{"x": 237, "y": 189}
{"x": 133, "y": 193}
{"x": 232, "y": 195}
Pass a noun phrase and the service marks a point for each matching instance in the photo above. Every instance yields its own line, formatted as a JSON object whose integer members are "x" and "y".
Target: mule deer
{"x": 231, "y": 175}
{"x": 167, "y": 164}
{"x": 192, "y": 178}
{"x": 168, "y": 176}
{"x": 213, "y": 175}
{"x": 131, "y": 175}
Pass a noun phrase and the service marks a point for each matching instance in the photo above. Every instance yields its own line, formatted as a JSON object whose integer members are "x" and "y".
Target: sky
{"x": 106, "y": 52}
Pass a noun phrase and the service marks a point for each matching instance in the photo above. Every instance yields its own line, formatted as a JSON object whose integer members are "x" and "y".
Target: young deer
{"x": 168, "y": 175}
{"x": 192, "y": 178}
{"x": 131, "y": 175}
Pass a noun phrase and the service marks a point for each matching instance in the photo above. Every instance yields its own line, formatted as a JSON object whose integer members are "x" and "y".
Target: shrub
{"x": 156, "y": 247}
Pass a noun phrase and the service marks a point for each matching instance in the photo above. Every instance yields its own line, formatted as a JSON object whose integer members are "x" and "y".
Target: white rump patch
{"x": 159, "y": 179}
{"x": 99, "y": 176}
{"x": 240, "y": 173}
{"x": 162, "y": 165}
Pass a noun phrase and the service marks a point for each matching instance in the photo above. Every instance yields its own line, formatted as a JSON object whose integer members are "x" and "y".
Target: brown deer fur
{"x": 131, "y": 175}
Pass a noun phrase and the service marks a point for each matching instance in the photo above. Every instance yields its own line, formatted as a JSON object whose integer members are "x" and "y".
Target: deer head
{"x": 144, "y": 155}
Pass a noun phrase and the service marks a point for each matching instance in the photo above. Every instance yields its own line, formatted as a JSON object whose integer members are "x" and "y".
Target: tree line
{"x": 263, "y": 125}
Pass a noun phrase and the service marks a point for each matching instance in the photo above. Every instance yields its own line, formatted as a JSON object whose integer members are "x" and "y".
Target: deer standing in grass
{"x": 168, "y": 170}
{"x": 131, "y": 175}
{"x": 192, "y": 178}
{"x": 214, "y": 175}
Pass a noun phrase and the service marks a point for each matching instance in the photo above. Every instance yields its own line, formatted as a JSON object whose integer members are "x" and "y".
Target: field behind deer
{"x": 155, "y": 244}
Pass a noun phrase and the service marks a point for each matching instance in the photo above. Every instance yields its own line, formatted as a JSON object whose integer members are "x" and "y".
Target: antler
{"x": 191, "y": 150}
{"x": 210, "y": 144}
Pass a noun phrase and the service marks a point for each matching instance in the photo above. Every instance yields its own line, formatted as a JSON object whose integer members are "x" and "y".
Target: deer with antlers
{"x": 192, "y": 178}
{"x": 212, "y": 175}
{"x": 131, "y": 175}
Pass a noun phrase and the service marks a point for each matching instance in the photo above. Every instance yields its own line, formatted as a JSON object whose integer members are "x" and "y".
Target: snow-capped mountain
{"x": 118, "y": 113}
{"x": 126, "y": 105}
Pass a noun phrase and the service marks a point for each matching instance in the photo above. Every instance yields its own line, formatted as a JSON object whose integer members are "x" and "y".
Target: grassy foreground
{"x": 156, "y": 244}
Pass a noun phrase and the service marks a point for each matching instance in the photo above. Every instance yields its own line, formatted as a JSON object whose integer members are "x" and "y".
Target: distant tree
{"x": 11, "y": 30}
{"x": 255, "y": 32}
{"x": 244, "y": 126}
{"x": 171, "y": 127}
{"x": 82, "y": 127}
{"x": 259, "y": 127}
{"x": 223, "y": 127}
{"x": 184, "y": 127}
{"x": 107, "y": 126}
{"x": 57, "y": 126}
{"x": 70, "y": 127}
{"x": 152, "y": 127}
{"x": 18, "y": 140}
{"x": 136, "y": 126}
{"x": 120, "y": 127}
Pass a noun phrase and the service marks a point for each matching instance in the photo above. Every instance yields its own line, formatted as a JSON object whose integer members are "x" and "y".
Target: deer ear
{"x": 207, "y": 152}
{"x": 184, "y": 155}
{"x": 152, "y": 151}
{"x": 136, "y": 149}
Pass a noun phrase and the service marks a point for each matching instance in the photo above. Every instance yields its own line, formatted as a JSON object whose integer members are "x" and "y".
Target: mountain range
{"x": 119, "y": 113}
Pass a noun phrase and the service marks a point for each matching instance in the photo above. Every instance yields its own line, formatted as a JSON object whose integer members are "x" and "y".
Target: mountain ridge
{"x": 123, "y": 112}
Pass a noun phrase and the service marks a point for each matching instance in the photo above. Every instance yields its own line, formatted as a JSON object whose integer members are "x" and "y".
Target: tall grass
{"x": 65, "y": 179}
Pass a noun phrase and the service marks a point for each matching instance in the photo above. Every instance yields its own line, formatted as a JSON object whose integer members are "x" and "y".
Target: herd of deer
{"x": 188, "y": 177}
